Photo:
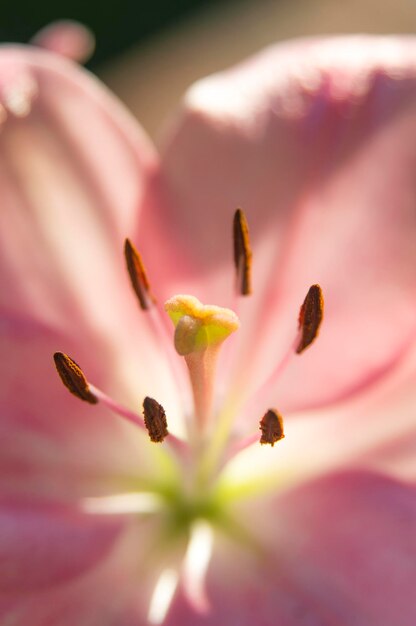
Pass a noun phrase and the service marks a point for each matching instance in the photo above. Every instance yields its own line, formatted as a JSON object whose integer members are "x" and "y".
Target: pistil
{"x": 199, "y": 332}
{"x": 272, "y": 431}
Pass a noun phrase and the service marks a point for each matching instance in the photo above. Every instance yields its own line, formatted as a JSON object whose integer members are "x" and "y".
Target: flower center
{"x": 189, "y": 500}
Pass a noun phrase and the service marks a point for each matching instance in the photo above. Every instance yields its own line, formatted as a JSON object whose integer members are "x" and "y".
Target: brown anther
{"x": 73, "y": 378}
{"x": 155, "y": 420}
{"x": 310, "y": 317}
{"x": 271, "y": 426}
{"x": 138, "y": 276}
{"x": 242, "y": 253}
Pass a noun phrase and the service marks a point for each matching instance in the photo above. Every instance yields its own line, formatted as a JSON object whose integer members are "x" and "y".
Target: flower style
{"x": 315, "y": 140}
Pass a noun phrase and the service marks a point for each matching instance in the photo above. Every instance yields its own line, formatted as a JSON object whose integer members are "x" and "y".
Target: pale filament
{"x": 236, "y": 404}
{"x": 134, "y": 418}
{"x": 229, "y": 351}
{"x": 148, "y": 305}
{"x": 162, "y": 596}
{"x": 123, "y": 504}
{"x": 195, "y": 565}
{"x": 256, "y": 399}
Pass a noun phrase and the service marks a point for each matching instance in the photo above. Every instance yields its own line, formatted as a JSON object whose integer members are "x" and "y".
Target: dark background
{"x": 117, "y": 24}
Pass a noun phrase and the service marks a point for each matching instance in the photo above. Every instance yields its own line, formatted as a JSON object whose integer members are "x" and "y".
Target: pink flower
{"x": 99, "y": 526}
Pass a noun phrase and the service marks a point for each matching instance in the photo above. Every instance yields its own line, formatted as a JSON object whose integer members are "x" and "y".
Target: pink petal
{"x": 51, "y": 442}
{"x": 375, "y": 431}
{"x": 73, "y": 171}
{"x": 72, "y": 180}
{"x": 114, "y": 591}
{"x": 358, "y": 540}
{"x": 43, "y": 545}
{"x": 341, "y": 550}
{"x": 66, "y": 607}
{"x": 316, "y": 141}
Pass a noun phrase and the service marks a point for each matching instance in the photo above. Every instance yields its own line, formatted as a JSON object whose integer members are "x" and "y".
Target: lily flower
{"x": 233, "y": 450}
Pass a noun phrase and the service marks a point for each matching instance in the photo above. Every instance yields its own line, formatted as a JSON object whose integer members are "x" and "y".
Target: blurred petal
{"x": 354, "y": 535}
{"x": 73, "y": 171}
{"x": 72, "y": 181}
{"x": 114, "y": 591}
{"x": 341, "y": 550}
{"x": 67, "y": 38}
{"x": 316, "y": 141}
{"x": 51, "y": 442}
{"x": 34, "y": 534}
{"x": 375, "y": 430}
{"x": 322, "y": 154}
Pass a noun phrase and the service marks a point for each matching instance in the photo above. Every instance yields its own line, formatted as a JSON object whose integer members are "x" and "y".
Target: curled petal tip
{"x": 68, "y": 38}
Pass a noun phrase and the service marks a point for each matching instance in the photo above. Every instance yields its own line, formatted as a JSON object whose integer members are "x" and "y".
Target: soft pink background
{"x": 151, "y": 78}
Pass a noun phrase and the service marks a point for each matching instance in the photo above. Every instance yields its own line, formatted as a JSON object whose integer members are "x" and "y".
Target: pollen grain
{"x": 155, "y": 420}
{"x": 73, "y": 377}
{"x": 310, "y": 317}
{"x": 138, "y": 276}
{"x": 271, "y": 426}
{"x": 242, "y": 253}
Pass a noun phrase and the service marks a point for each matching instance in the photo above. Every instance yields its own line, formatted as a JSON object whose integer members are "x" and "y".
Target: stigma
{"x": 199, "y": 327}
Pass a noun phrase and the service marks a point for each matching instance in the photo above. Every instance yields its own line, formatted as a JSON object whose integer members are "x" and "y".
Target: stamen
{"x": 156, "y": 426}
{"x": 271, "y": 426}
{"x": 155, "y": 420}
{"x": 73, "y": 378}
{"x": 138, "y": 276}
{"x": 310, "y": 317}
{"x": 242, "y": 253}
{"x": 141, "y": 287}
{"x": 174, "y": 442}
{"x": 118, "y": 408}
